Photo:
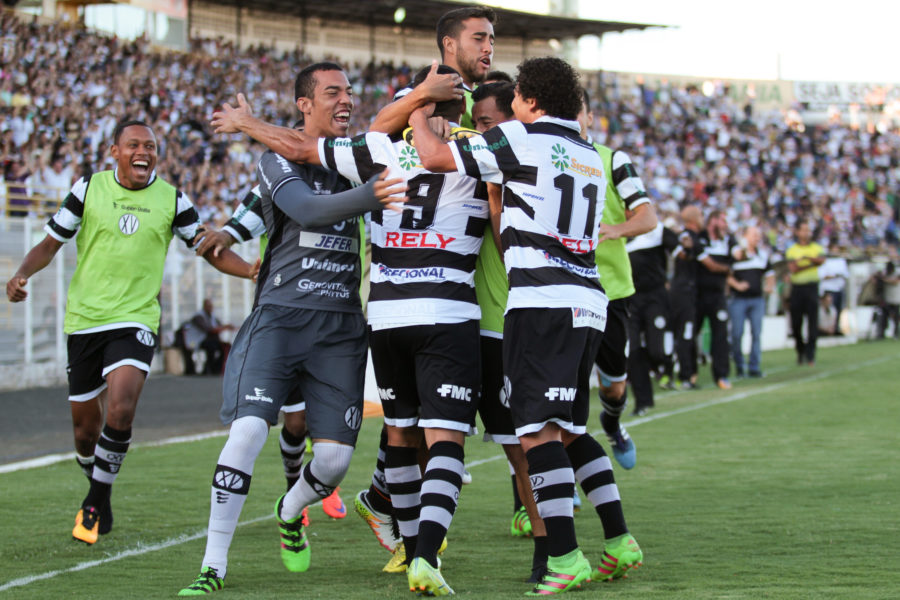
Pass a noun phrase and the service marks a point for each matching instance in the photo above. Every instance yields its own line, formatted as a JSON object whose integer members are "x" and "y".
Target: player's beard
{"x": 469, "y": 68}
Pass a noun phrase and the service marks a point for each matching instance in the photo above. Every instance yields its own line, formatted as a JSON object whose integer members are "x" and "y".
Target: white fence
{"x": 32, "y": 343}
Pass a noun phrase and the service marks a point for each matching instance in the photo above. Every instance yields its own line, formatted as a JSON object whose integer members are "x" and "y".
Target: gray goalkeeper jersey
{"x": 313, "y": 267}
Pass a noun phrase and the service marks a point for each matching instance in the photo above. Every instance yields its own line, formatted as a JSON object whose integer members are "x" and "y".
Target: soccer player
{"x": 465, "y": 39}
{"x": 305, "y": 337}
{"x": 492, "y": 106}
{"x": 717, "y": 252}
{"x": 123, "y": 220}
{"x": 804, "y": 258}
{"x": 556, "y": 311}
{"x": 627, "y": 212}
{"x": 423, "y": 320}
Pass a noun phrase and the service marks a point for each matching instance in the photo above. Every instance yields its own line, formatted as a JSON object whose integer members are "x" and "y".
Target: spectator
{"x": 833, "y": 276}
{"x": 887, "y": 290}
{"x": 202, "y": 332}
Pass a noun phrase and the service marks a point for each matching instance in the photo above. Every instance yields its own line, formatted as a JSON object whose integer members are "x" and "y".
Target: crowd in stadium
{"x": 62, "y": 90}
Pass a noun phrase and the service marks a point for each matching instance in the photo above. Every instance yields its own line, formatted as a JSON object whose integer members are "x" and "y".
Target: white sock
{"x": 231, "y": 483}
{"x": 318, "y": 478}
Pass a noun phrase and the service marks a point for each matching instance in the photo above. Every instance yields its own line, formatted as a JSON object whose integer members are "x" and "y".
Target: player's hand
{"x": 215, "y": 241}
{"x": 437, "y": 88}
{"x": 15, "y": 289}
{"x": 252, "y": 276}
{"x": 607, "y": 232}
{"x": 686, "y": 240}
{"x": 229, "y": 118}
{"x": 440, "y": 126}
{"x": 390, "y": 191}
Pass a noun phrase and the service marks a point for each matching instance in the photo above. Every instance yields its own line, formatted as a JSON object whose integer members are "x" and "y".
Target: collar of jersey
{"x": 557, "y": 121}
{"x": 149, "y": 181}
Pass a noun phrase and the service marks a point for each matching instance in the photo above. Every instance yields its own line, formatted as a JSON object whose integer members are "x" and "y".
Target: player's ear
{"x": 449, "y": 44}
{"x": 114, "y": 151}
{"x": 304, "y": 104}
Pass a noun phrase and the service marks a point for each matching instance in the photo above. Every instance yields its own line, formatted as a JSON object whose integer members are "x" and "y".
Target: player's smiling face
{"x": 474, "y": 49}
{"x": 135, "y": 156}
{"x": 328, "y": 112}
{"x": 485, "y": 114}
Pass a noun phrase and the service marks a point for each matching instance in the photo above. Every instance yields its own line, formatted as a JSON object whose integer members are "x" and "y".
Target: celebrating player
{"x": 123, "y": 220}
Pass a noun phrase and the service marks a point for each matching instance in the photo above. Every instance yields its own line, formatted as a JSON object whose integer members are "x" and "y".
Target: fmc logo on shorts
{"x": 128, "y": 223}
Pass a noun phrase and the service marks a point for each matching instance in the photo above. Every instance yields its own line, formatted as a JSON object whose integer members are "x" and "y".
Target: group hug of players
{"x": 499, "y": 278}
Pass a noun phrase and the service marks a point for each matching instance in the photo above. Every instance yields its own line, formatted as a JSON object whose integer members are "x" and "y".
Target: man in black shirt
{"x": 683, "y": 296}
{"x": 649, "y": 324}
{"x": 718, "y": 250}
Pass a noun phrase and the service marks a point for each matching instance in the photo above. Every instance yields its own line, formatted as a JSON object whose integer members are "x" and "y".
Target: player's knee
{"x": 248, "y": 435}
{"x": 614, "y": 392}
{"x": 295, "y": 423}
{"x": 330, "y": 462}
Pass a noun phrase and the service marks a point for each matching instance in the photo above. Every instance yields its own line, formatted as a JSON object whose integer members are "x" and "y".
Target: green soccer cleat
{"x": 207, "y": 582}
{"x": 521, "y": 523}
{"x": 563, "y": 574}
{"x": 294, "y": 545}
{"x": 426, "y": 580}
{"x": 621, "y": 553}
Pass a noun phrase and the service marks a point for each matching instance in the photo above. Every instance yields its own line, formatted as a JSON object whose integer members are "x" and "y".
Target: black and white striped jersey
{"x": 423, "y": 257}
{"x": 553, "y": 197}
{"x": 247, "y": 222}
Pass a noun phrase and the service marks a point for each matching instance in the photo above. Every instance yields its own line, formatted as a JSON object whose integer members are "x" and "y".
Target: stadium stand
{"x": 63, "y": 88}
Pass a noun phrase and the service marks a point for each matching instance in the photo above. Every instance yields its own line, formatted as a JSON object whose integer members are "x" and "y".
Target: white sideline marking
{"x": 141, "y": 549}
{"x": 52, "y": 459}
{"x": 136, "y": 551}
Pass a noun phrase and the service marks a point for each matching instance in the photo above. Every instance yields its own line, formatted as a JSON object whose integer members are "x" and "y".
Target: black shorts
{"x": 547, "y": 362}
{"x": 494, "y": 405}
{"x": 612, "y": 357}
{"x": 428, "y": 375}
{"x": 93, "y": 355}
{"x": 299, "y": 359}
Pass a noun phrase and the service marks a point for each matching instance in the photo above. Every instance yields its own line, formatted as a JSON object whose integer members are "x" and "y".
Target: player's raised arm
{"x": 436, "y": 88}
{"x": 434, "y": 154}
{"x": 292, "y": 144}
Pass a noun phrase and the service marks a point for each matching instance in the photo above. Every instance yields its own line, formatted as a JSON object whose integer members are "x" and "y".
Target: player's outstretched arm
{"x": 436, "y": 88}
{"x": 232, "y": 264}
{"x": 433, "y": 153}
{"x": 36, "y": 259}
{"x": 309, "y": 209}
{"x": 215, "y": 241}
{"x": 289, "y": 143}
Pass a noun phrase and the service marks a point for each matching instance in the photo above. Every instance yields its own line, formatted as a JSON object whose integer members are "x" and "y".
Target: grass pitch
{"x": 785, "y": 487}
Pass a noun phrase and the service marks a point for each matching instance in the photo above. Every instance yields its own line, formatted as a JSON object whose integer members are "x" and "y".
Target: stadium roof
{"x": 422, "y": 15}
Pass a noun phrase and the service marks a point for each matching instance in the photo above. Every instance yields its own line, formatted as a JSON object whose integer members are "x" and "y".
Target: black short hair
{"x": 501, "y": 91}
{"x": 121, "y": 125}
{"x": 452, "y": 22}
{"x": 586, "y": 97}
{"x": 449, "y": 109}
{"x": 305, "y": 84}
{"x": 553, "y": 84}
{"x": 498, "y": 76}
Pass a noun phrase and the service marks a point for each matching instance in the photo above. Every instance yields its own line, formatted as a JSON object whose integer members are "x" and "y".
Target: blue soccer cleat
{"x": 623, "y": 448}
